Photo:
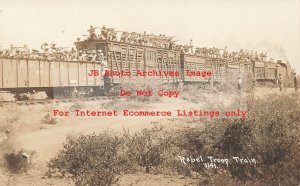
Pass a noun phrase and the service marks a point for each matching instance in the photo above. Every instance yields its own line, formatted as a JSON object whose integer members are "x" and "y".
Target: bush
{"x": 270, "y": 134}
{"x": 17, "y": 162}
{"x": 275, "y": 124}
{"x": 145, "y": 148}
{"x": 49, "y": 119}
{"x": 76, "y": 106}
{"x": 89, "y": 159}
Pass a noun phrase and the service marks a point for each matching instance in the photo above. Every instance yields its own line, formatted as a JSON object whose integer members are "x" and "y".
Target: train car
{"x": 123, "y": 62}
{"x": 287, "y": 72}
{"x": 283, "y": 69}
{"x": 218, "y": 66}
{"x": 192, "y": 64}
{"x": 267, "y": 71}
{"x": 233, "y": 71}
{"x": 259, "y": 70}
{"x": 53, "y": 77}
{"x": 270, "y": 72}
{"x": 123, "y": 57}
{"x": 223, "y": 69}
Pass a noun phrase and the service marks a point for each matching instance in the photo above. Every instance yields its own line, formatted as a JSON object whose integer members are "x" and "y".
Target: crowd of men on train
{"x": 168, "y": 42}
{"x": 52, "y": 52}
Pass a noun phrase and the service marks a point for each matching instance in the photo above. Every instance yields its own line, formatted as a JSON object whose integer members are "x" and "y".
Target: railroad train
{"x": 68, "y": 77}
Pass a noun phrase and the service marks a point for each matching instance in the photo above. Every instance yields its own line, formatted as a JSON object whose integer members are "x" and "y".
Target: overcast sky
{"x": 265, "y": 25}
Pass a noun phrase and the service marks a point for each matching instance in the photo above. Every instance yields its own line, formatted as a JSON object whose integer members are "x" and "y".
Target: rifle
{"x": 16, "y": 47}
{"x": 63, "y": 47}
{"x": 111, "y": 29}
{"x": 92, "y": 28}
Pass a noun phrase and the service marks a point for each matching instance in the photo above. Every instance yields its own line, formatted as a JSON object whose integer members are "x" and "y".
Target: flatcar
{"x": 54, "y": 77}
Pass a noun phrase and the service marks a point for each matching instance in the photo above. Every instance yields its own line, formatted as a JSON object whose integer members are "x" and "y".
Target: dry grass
{"x": 270, "y": 134}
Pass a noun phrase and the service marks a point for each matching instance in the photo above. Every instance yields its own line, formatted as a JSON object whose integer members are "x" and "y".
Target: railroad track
{"x": 51, "y": 101}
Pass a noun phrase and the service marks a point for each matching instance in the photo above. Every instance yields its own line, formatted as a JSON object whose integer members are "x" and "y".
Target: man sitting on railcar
{"x": 124, "y": 36}
{"x": 99, "y": 56}
{"x": 34, "y": 54}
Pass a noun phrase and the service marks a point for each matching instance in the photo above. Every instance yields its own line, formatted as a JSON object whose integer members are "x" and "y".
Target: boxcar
{"x": 270, "y": 71}
{"x": 133, "y": 58}
{"x": 194, "y": 63}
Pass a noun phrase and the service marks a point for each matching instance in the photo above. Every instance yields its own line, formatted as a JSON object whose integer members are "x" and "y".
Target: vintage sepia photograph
{"x": 149, "y": 93}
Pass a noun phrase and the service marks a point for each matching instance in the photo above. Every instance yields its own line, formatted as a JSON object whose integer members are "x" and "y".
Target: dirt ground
{"x": 26, "y": 131}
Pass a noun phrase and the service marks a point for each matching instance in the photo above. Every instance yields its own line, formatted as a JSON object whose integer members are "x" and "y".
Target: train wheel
{"x": 70, "y": 92}
{"x": 67, "y": 93}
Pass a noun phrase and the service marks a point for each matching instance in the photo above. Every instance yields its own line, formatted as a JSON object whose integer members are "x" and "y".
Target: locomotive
{"x": 69, "y": 77}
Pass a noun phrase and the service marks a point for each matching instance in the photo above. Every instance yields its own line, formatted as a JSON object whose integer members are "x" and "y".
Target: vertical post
{"x": 49, "y": 73}
{"x": 68, "y": 72}
{"x": 264, "y": 71}
{"x": 28, "y": 72}
{"x": 86, "y": 72}
{"x": 144, "y": 58}
{"x": 59, "y": 69}
{"x": 78, "y": 74}
{"x": 2, "y": 73}
{"x": 40, "y": 78}
{"x": 17, "y": 71}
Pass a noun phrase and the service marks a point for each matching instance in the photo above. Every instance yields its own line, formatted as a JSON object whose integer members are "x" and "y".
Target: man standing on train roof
{"x": 295, "y": 82}
{"x": 92, "y": 32}
{"x": 45, "y": 47}
{"x": 225, "y": 52}
{"x": 280, "y": 82}
{"x": 104, "y": 33}
{"x": 191, "y": 46}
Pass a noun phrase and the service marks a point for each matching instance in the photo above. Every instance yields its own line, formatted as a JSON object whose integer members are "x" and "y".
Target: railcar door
{"x": 45, "y": 73}
{"x": 83, "y": 73}
{"x": 33, "y": 73}
{"x": 73, "y": 73}
{"x": 22, "y": 73}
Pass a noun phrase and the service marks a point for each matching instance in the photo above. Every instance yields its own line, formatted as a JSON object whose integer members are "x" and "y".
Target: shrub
{"x": 49, "y": 119}
{"x": 270, "y": 134}
{"x": 89, "y": 159}
{"x": 275, "y": 122}
{"x": 145, "y": 148}
{"x": 17, "y": 162}
{"x": 76, "y": 106}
